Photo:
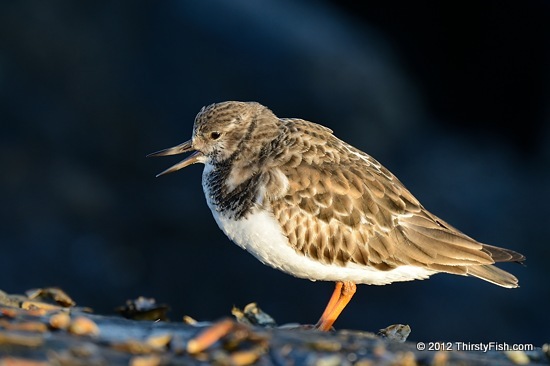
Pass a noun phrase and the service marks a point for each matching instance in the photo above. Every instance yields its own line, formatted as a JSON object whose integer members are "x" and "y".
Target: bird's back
{"x": 338, "y": 205}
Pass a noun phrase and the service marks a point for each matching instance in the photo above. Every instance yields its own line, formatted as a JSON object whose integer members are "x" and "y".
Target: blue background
{"x": 452, "y": 98}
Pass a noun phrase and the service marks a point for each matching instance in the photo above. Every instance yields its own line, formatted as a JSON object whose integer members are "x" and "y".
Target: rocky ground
{"x": 44, "y": 327}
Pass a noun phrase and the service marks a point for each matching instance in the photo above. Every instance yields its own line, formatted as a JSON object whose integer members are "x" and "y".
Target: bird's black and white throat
{"x": 229, "y": 196}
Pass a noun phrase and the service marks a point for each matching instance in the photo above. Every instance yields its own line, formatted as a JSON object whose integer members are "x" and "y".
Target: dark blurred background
{"x": 452, "y": 97}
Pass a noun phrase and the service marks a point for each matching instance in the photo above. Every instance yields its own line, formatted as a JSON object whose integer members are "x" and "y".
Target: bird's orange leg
{"x": 343, "y": 292}
{"x": 333, "y": 300}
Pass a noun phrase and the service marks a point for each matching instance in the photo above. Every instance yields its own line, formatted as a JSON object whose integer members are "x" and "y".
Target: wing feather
{"x": 354, "y": 210}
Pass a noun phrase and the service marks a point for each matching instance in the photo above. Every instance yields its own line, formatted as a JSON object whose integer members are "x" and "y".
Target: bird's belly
{"x": 260, "y": 234}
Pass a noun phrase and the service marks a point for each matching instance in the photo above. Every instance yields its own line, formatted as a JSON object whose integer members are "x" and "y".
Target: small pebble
{"x": 159, "y": 341}
{"x": 405, "y": 359}
{"x": 253, "y": 315}
{"x": 396, "y": 332}
{"x": 40, "y": 306}
{"x": 440, "y": 358}
{"x": 60, "y": 321}
{"x": 16, "y": 361}
{"x": 518, "y": 357}
{"x": 188, "y": 320}
{"x": 326, "y": 346}
{"x": 54, "y": 293}
{"x": 29, "y": 326}
{"x": 153, "y": 360}
{"x": 22, "y": 339}
{"x": 330, "y": 360}
{"x": 244, "y": 358}
{"x": 83, "y": 326}
{"x": 209, "y": 336}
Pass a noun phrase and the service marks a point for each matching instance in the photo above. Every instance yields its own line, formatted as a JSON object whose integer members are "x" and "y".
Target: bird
{"x": 303, "y": 201}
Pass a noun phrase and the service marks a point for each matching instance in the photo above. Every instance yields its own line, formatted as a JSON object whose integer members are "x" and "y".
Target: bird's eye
{"x": 215, "y": 135}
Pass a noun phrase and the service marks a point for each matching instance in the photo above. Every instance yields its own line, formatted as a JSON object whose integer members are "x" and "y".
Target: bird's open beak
{"x": 180, "y": 149}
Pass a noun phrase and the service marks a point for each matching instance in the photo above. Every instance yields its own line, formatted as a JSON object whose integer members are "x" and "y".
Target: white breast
{"x": 260, "y": 234}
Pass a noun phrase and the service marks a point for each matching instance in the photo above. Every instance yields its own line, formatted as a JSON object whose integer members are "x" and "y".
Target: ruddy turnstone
{"x": 305, "y": 202}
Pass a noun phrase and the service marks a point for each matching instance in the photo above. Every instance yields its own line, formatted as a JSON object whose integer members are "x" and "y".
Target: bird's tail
{"x": 490, "y": 273}
{"x": 493, "y": 274}
{"x": 502, "y": 254}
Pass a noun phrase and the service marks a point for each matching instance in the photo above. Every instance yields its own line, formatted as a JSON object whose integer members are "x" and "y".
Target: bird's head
{"x": 221, "y": 133}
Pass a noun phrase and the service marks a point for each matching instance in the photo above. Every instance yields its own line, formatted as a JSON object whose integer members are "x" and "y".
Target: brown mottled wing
{"x": 343, "y": 206}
